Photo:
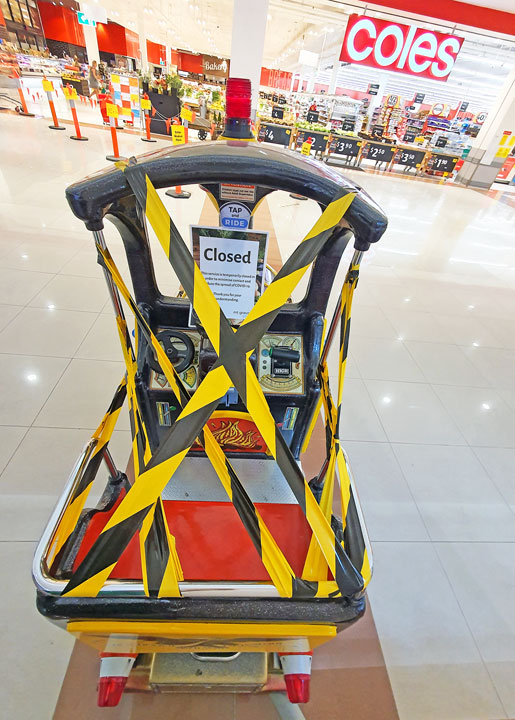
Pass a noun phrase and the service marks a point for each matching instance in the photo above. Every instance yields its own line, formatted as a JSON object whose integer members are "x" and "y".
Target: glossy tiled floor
{"x": 429, "y": 423}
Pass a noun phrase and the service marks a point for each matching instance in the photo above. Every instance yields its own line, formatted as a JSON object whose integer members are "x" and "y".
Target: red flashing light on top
{"x": 238, "y": 98}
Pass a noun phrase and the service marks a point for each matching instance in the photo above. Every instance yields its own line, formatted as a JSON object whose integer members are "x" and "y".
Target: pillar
{"x": 90, "y": 38}
{"x": 142, "y": 39}
{"x": 486, "y": 156}
{"x": 248, "y": 41}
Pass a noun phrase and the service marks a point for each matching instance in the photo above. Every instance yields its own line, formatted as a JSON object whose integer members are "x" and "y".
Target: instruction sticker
{"x": 306, "y": 148}
{"x": 235, "y": 215}
{"x": 230, "y": 191}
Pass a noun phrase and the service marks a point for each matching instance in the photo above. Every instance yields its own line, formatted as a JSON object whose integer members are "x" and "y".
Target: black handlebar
{"x": 231, "y": 162}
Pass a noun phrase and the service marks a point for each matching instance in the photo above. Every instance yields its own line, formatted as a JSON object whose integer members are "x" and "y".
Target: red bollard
{"x": 112, "y": 115}
{"x": 145, "y": 106}
{"x": 24, "y": 110}
{"x": 49, "y": 88}
{"x": 178, "y": 192}
{"x": 69, "y": 92}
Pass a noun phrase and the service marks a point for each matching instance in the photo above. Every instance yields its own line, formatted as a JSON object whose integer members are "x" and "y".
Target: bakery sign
{"x": 400, "y": 48}
{"x": 211, "y": 65}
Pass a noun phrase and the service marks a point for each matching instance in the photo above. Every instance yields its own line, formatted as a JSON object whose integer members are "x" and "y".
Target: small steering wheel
{"x": 180, "y": 353}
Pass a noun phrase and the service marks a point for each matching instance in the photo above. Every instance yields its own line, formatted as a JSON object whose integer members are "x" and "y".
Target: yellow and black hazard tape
{"x": 272, "y": 557}
{"x": 353, "y": 539}
{"x": 234, "y": 366}
{"x": 133, "y": 510}
{"x": 102, "y": 435}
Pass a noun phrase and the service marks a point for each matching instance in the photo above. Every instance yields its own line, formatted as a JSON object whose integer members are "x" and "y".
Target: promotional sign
{"x": 178, "y": 134}
{"x": 481, "y": 117}
{"x": 187, "y": 115}
{"x": 373, "y": 89}
{"x": 380, "y": 152}
{"x": 441, "y": 142}
{"x": 126, "y": 94}
{"x": 463, "y": 106}
{"x": 282, "y": 101}
{"x": 146, "y": 104}
{"x": 235, "y": 215}
{"x": 400, "y": 48}
{"x": 419, "y": 98}
{"x": 410, "y": 158}
{"x": 278, "y": 113}
{"x": 346, "y": 146}
{"x": 233, "y": 264}
{"x": 409, "y": 136}
{"x": 312, "y": 116}
{"x": 218, "y": 67}
{"x": 377, "y": 131}
{"x": 306, "y": 148}
{"x": 275, "y": 134}
{"x": 438, "y": 109}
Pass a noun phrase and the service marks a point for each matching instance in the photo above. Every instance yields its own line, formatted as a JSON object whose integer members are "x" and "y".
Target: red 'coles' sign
{"x": 401, "y": 48}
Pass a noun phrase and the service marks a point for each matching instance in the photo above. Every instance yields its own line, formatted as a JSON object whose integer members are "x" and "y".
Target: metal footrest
{"x": 216, "y": 672}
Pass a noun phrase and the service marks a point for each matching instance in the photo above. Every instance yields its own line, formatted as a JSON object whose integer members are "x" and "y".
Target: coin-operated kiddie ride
{"x": 210, "y": 558}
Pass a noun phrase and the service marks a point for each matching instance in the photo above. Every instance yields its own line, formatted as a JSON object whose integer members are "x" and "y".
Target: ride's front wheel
{"x": 202, "y": 134}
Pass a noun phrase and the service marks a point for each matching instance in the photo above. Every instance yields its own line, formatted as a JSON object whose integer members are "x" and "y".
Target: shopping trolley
{"x": 211, "y": 546}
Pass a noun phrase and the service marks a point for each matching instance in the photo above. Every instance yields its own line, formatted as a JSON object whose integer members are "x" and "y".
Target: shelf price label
{"x": 411, "y": 158}
{"x": 112, "y": 110}
{"x": 346, "y": 146}
{"x": 380, "y": 152}
{"x": 276, "y": 134}
{"x": 443, "y": 163}
{"x": 178, "y": 135}
{"x": 278, "y": 113}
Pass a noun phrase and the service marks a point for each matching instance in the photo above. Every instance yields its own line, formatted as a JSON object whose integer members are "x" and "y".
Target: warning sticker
{"x": 237, "y": 192}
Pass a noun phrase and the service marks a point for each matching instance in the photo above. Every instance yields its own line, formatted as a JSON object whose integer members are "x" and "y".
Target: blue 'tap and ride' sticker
{"x": 235, "y": 215}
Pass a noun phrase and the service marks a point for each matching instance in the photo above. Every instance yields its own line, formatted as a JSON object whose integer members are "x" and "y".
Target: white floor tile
{"x": 25, "y": 384}
{"x": 379, "y": 359}
{"x": 35, "y": 653}
{"x": 499, "y": 463}
{"x": 7, "y": 313}
{"x": 68, "y": 292}
{"x": 416, "y": 325}
{"x": 388, "y": 505}
{"x": 10, "y": 438}
{"x": 481, "y": 415}
{"x": 18, "y": 287}
{"x": 411, "y": 412}
{"x": 42, "y": 331}
{"x": 445, "y": 364}
{"x": 359, "y": 420}
{"x": 83, "y": 395}
{"x": 455, "y": 497}
{"x": 496, "y": 364}
{"x": 101, "y": 342}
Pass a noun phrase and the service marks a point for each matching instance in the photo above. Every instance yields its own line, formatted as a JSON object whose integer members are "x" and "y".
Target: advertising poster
{"x": 233, "y": 263}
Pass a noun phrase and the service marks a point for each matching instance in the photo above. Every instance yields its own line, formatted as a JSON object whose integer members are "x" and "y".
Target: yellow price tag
{"x": 47, "y": 86}
{"x": 358, "y": 144}
{"x": 112, "y": 110}
{"x": 186, "y": 115}
{"x": 306, "y": 148}
{"x": 146, "y": 105}
{"x": 66, "y": 93}
{"x": 126, "y": 111}
{"x": 178, "y": 135}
